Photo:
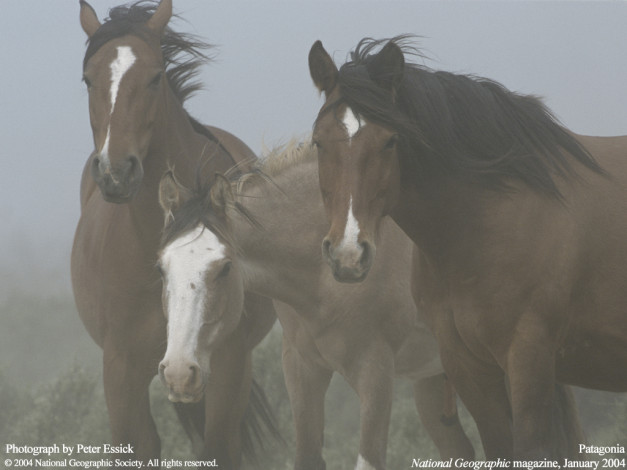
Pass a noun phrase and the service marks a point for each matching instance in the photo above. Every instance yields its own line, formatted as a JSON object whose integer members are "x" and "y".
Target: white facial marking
{"x": 185, "y": 261}
{"x": 120, "y": 65}
{"x": 362, "y": 464}
{"x": 351, "y": 229}
{"x": 104, "y": 153}
{"x": 352, "y": 123}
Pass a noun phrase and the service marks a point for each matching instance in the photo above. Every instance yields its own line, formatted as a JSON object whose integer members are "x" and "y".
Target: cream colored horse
{"x": 264, "y": 237}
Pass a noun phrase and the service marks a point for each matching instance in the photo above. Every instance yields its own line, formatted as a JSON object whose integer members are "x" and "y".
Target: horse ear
{"x": 172, "y": 195}
{"x": 159, "y": 20}
{"x": 221, "y": 194}
{"x": 89, "y": 19}
{"x": 386, "y": 68}
{"x": 322, "y": 68}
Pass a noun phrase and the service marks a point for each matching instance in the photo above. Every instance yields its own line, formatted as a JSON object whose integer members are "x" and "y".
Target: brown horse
{"x": 137, "y": 72}
{"x": 521, "y": 227}
{"x": 264, "y": 239}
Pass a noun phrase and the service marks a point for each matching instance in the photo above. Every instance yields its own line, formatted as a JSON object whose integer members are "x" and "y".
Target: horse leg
{"x": 228, "y": 390}
{"x": 444, "y": 429}
{"x": 481, "y": 387}
{"x": 531, "y": 372}
{"x": 226, "y": 397}
{"x": 307, "y": 384}
{"x": 127, "y": 376}
{"x": 483, "y": 390}
{"x": 373, "y": 380}
{"x": 566, "y": 424}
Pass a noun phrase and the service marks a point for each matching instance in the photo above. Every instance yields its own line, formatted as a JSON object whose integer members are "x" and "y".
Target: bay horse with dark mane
{"x": 137, "y": 71}
{"x": 521, "y": 227}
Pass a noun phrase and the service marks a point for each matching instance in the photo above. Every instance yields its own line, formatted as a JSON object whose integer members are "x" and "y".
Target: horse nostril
{"x": 365, "y": 246}
{"x": 95, "y": 165}
{"x": 326, "y": 247}
{"x": 195, "y": 374}
{"x": 364, "y": 259}
{"x": 135, "y": 171}
{"x": 133, "y": 163}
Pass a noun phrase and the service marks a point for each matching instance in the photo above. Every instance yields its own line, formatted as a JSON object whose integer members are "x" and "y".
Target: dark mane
{"x": 198, "y": 209}
{"x": 194, "y": 211}
{"x": 462, "y": 124}
{"x": 183, "y": 53}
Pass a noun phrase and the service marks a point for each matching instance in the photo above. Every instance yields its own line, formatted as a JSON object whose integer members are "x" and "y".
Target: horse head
{"x": 203, "y": 290}
{"x": 124, "y": 73}
{"x": 358, "y": 165}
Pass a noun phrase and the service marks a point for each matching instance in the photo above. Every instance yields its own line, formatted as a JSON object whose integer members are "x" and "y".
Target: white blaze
{"x": 185, "y": 262}
{"x": 120, "y": 65}
{"x": 351, "y": 122}
{"x": 351, "y": 230}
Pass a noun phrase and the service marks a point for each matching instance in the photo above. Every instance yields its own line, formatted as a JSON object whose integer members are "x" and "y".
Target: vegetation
{"x": 51, "y": 393}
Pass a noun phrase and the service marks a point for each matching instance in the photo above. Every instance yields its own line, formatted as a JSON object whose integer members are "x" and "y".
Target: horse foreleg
{"x": 481, "y": 387}
{"x": 373, "y": 380}
{"x": 307, "y": 384}
{"x": 444, "y": 428}
{"x": 485, "y": 395}
{"x": 531, "y": 373}
{"x": 226, "y": 397}
{"x": 229, "y": 387}
{"x": 127, "y": 376}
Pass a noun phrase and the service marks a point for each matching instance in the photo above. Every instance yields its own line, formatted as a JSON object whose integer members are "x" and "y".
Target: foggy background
{"x": 258, "y": 88}
{"x": 571, "y": 53}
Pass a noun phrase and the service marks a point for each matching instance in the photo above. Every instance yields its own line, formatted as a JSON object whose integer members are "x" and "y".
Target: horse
{"x": 259, "y": 232}
{"x": 138, "y": 74}
{"x": 519, "y": 223}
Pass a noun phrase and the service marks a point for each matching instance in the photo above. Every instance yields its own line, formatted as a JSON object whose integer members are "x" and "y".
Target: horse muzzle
{"x": 184, "y": 381}
{"x": 349, "y": 264}
{"x": 120, "y": 183}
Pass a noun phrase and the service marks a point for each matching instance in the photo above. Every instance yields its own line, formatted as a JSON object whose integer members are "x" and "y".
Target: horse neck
{"x": 282, "y": 258}
{"x": 445, "y": 218}
{"x": 174, "y": 143}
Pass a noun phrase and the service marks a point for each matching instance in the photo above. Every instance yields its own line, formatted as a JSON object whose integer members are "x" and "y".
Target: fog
{"x": 258, "y": 87}
{"x": 570, "y": 53}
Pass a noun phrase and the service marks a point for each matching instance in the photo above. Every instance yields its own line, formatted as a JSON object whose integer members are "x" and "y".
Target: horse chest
{"x": 463, "y": 326}
{"x": 112, "y": 267}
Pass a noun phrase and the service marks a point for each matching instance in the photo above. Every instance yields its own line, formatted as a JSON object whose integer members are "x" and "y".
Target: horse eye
{"x": 226, "y": 269}
{"x": 391, "y": 143}
{"x": 87, "y": 81}
{"x": 156, "y": 80}
{"x": 160, "y": 270}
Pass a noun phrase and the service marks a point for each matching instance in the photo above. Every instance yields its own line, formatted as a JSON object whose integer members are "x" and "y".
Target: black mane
{"x": 195, "y": 210}
{"x": 183, "y": 53}
{"x": 198, "y": 209}
{"x": 462, "y": 124}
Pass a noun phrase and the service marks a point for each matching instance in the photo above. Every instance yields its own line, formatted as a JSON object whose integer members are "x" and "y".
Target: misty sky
{"x": 571, "y": 53}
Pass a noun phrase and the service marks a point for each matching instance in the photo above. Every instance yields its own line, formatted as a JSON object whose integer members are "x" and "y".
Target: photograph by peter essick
{"x": 309, "y": 235}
